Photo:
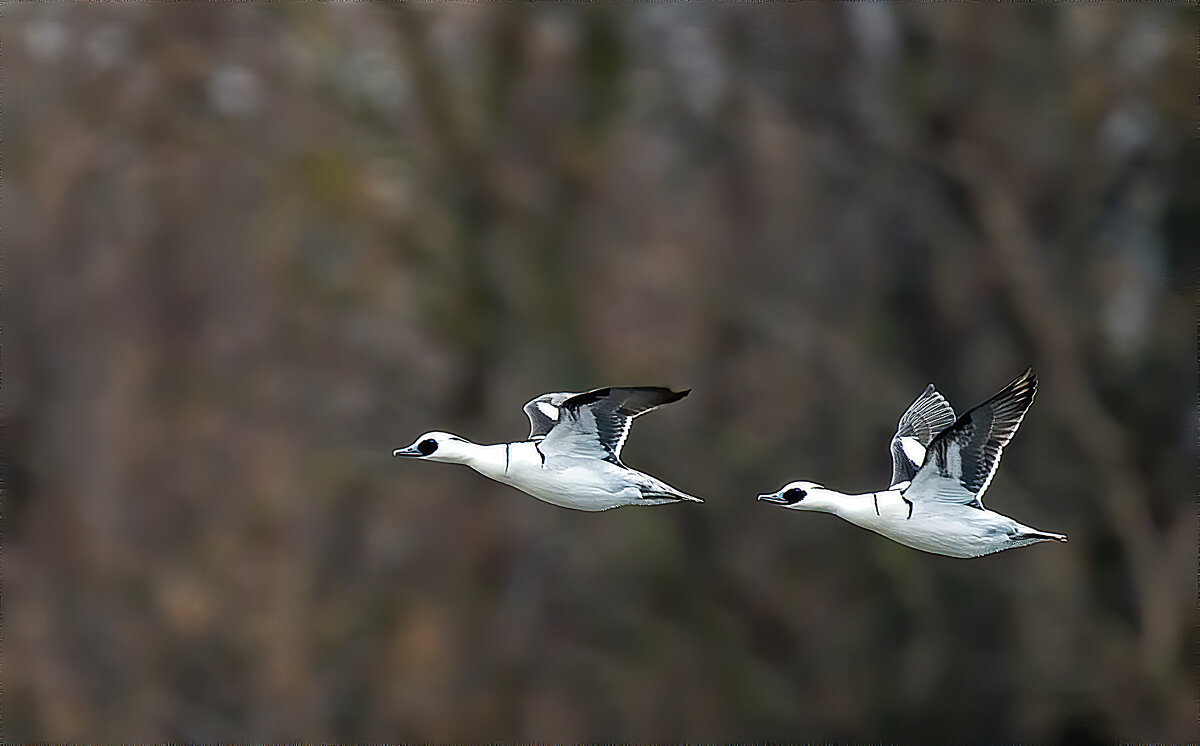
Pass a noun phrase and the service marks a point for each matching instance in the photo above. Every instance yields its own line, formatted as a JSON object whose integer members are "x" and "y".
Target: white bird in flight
{"x": 938, "y": 479}
{"x": 573, "y": 455}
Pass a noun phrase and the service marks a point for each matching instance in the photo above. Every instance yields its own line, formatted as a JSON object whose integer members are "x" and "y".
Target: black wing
{"x": 960, "y": 462}
{"x": 929, "y": 415}
{"x": 595, "y": 423}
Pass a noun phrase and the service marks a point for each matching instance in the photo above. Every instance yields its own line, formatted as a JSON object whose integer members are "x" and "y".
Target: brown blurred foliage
{"x": 250, "y": 249}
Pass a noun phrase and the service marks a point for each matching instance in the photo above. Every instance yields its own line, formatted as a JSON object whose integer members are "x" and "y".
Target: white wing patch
{"x": 913, "y": 449}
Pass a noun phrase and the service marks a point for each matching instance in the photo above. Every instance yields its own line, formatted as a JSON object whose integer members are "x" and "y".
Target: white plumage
{"x": 573, "y": 455}
{"x": 937, "y": 506}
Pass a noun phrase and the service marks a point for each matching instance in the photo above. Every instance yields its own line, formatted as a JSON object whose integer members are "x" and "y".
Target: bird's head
{"x": 436, "y": 446}
{"x": 801, "y": 496}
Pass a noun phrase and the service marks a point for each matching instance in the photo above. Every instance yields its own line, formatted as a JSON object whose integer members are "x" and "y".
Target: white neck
{"x": 489, "y": 460}
{"x": 871, "y": 509}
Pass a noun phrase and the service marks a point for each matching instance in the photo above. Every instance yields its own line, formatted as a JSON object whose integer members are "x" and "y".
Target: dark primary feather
{"x": 607, "y": 412}
{"x": 927, "y": 416}
{"x": 969, "y": 451}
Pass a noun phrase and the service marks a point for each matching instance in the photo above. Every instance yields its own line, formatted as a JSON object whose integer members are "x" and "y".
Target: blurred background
{"x": 251, "y": 249}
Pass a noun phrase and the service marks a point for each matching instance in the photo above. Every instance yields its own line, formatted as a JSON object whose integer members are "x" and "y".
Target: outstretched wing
{"x": 596, "y": 423}
{"x": 543, "y": 413}
{"x": 960, "y": 461}
{"x": 925, "y": 418}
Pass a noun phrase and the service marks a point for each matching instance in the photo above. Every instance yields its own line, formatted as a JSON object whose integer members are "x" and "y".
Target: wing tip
{"x": 665, "y": 394}
{"x": 929, "y": 412}
{"x": 1022, "y": 389}
{"x": 590, "y": 397}
{"x": 664, "y": 390}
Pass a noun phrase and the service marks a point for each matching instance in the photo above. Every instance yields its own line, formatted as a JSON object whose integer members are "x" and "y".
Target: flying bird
{"x": 937, "y": 506}
{"x": 573, "y": 455}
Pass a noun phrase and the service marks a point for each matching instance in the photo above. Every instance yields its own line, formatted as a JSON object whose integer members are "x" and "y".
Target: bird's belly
{"x": 957, "y": 532}
{"x": 927, "y": 536}
{"x": 566, "y": 485}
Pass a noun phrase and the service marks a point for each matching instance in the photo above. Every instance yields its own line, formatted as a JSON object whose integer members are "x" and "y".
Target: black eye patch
{"x": 794, "y": 495}
{"x": 427, "y": 446}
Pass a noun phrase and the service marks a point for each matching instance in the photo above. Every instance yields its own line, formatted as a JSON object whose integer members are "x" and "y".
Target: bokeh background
{"x": 251, "y": 249}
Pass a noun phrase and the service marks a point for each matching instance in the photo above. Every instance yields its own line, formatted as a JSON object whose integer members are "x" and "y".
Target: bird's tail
{"x": 667, "y": 494}
{"x": 1041, "y": 536}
